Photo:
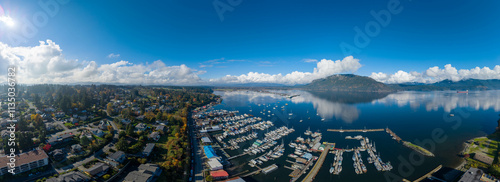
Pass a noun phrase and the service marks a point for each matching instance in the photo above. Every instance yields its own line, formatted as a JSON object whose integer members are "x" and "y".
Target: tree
{"x": 110, "y": 129}
{"x": 122, "y": 144}
{"x": 209, "y": 178}
{"x": 130, "y": 130}
{"x": 109, "y": 108}
{"x": 47, "y": 147}
{"x": 106, "y": 177}
{"x": 84, "y": 141}
{"x": 122, "y": 134}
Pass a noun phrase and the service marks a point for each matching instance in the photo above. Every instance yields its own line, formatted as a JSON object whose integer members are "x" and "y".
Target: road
{"x": 198, "y": 168}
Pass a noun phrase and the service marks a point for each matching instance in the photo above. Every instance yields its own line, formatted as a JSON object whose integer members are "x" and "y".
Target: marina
{"x": 251, "y": 138}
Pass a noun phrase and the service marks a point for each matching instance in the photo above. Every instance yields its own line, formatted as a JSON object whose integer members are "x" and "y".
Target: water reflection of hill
{"x": 349, "y": 97}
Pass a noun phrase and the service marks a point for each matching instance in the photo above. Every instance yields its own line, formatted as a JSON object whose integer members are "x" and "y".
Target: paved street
{"x": 198, "y": 168}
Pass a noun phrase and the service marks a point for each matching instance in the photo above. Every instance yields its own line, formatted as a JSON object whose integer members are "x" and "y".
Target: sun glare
{"x": 8, "y": 21}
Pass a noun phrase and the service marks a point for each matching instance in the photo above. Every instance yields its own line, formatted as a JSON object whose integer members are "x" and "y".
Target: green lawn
{"x": 69, "y": 125}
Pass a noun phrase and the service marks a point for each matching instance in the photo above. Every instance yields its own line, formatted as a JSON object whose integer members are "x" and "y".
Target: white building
{"x": 214, "y": 164}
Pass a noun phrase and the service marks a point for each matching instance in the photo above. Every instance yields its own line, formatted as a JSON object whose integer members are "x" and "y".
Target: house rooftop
{"x": 137, "y": 176}
{"x": 116, "y": 155}
{"x": 70, "y": 177}
{"x": 97, "y": 168}
{"x": 24, "y": 158}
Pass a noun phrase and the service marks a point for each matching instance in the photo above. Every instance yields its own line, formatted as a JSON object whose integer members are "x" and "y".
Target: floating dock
{"x": 269, "y": 169}
{"x": 355, "y": 130}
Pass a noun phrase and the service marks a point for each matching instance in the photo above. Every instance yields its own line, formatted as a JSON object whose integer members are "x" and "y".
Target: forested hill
{"x": 347, "y": 82}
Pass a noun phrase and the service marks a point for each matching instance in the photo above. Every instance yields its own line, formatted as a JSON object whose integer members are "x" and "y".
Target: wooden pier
{"x": 396, "y": 137}
{"x": 355, "y": 130}
{"x": 254, "y": 172}
{"x": 317, "y": 166}
{"x": 429, "y": 174}
{"x": 239, "y": 155}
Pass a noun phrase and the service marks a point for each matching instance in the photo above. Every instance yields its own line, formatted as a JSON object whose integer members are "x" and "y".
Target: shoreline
{"x": 466, "y": 148}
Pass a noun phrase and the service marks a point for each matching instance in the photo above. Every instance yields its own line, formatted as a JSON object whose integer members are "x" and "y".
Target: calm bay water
{"x": 414, "y": 116}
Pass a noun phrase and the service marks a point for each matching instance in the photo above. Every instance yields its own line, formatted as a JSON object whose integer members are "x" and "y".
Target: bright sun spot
{"x": 8, "y": 21}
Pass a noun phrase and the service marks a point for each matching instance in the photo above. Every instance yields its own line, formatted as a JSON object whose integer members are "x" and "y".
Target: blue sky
{"x": 269, "y": 37}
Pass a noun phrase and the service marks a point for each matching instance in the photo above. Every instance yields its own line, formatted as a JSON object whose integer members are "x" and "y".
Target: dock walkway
{"x": 317, "y": 166}
{"x": 396, "y": 137}
{"x": 355, "y": 130}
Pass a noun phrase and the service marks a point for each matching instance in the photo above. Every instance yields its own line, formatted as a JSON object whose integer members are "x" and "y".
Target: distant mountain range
{"x": 351, "y": 82}
{"x": 348, "y": 82}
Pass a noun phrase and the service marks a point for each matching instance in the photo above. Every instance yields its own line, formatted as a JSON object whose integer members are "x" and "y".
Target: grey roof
{"x": 160, "y": 127}
{"x": 483, "y": 158}
{"x": 97, "y": 168}
{"x": 472, "y": 175}
{"x": 206, "y": 140}
{"x": 149, "y": 147}
{"x": 148, "y": 168}
{"x": 76, "y": 147}
{"x": 70, "y": 177}
{"x": 137, "y": 176}
{"x": 115, "y": 156}
{"x": 154, "y": 134}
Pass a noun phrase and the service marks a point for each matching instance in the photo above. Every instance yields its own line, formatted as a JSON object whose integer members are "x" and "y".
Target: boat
{"x": 331, "y": 169}
{"x": 300, "y": 121}
{"x": 463, "y": 92}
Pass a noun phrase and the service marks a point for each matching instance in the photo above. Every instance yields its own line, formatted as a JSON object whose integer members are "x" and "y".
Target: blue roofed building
{"x": 209, "y": 151}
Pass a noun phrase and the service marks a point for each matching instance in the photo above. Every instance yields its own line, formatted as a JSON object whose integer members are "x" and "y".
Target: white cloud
{"x": 45, "y": 63}
{"x": 113, "y": 55}
{"x": 436, "y": 74}
{"x": 310, "y": 60}
{"x": 323, "y": 69}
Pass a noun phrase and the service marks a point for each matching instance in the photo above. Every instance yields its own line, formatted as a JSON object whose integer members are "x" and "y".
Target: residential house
{"x": 59, "y": 114}
{"x": 97, "y": 132}
{"x": 98, "y": 169}
{"x": 25, "y": 161}
{"x": 141, "y": 117}
{"x": 116, "y": 158}
{"x": 148, "y": 149}
{"x": 154, "y": 136}
{"x": 103, "y": 125}
{"x": 126, "y": 121}
{"x": 160, "y": 128}
{"x": 76, "y": 148}
{"x": 141, "y": 127}
{"x": 60, "y": 139}
{"x": 73, "y": 176}
{"x": 145, "y": 173}
{"x": 83, "y": 118}
{"x": 58, "y": 154}
{"x": 86, "y": 134}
